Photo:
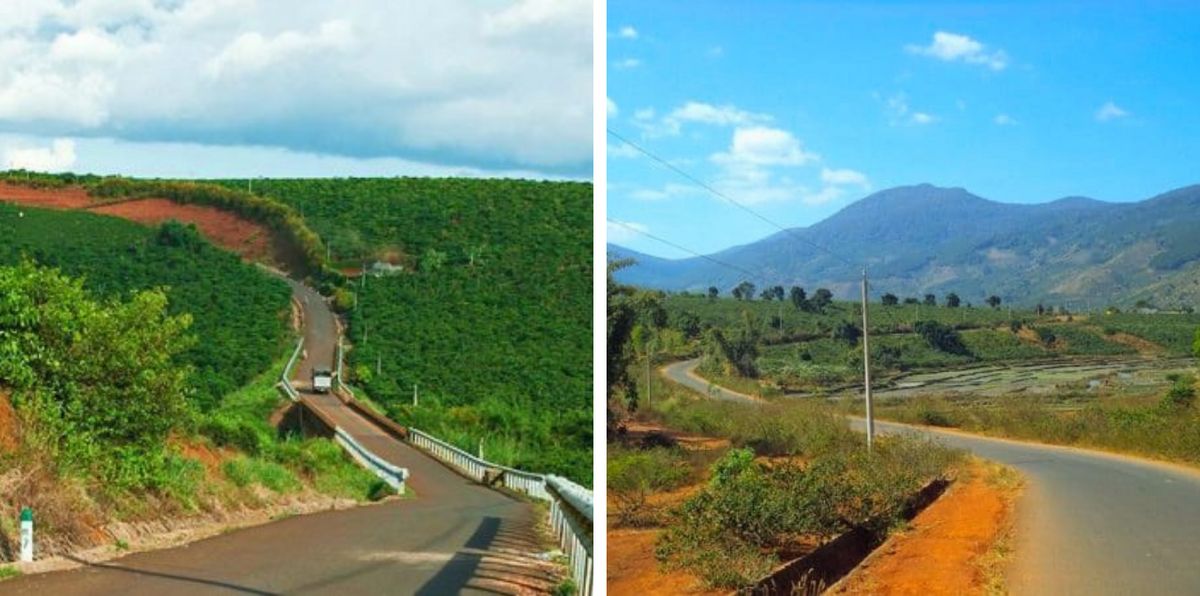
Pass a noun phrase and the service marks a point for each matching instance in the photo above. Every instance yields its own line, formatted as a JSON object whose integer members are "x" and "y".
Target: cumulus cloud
{"x": 764, "y": 146}
{"x": 627, "y": 32}
{"x": 953, "y": 47}
{"x": 695, "y": 112}
{"x": 627, "y": 63}
{"x": 611, "y": 108}
{"x": 504, "y": 84}
{"x": 1110, "y": 111}
{"x": 58, "y": 157}
{"x": 1004, "y": 120}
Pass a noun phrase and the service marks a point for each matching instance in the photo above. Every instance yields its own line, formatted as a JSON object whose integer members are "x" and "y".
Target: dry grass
{"x": 993, "y": 565}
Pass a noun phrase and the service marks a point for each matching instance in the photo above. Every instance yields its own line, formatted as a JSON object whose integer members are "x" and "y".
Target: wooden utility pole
{"x": 867, "y": 364}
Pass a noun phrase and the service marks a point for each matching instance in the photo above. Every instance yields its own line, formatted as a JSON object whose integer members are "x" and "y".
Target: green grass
{"x": 277, "y": 462}
{"x": 492, "y": 317}
{"x": 1175, "y": 332}
{"x": 237, "y": 311}
{"x": 9, "y": 572}
{"x": 1084, "y": 341}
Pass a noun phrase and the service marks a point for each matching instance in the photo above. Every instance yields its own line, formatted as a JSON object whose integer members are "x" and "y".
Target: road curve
{"x": 453, "y": 537}
{"x": 1089, "y": 522}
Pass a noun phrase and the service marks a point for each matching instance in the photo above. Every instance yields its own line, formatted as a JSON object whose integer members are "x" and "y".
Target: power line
{"x": 723, "y": 196}
{"x": 683, "y": 248}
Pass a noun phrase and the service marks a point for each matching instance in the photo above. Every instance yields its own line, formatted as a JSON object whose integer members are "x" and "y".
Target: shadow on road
{"x": 173, "y": 577}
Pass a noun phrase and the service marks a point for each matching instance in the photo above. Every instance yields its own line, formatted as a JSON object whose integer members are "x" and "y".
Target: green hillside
{"x": 237, "y": 311}
{"x": 491, "y": 316}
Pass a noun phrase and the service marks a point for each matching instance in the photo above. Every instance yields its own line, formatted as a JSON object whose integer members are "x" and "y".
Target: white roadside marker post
{"x": 26, "y": 534}
{"x": 867, "y": 365}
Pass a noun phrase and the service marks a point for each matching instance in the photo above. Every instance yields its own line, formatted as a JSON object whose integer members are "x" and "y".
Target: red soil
{"x": 8, "y": 424}
{"x": 940, "y": 552}
{"x": 58, "y": 198}
{"x": 250, "y": 240}
{"x": 633, "y": 570}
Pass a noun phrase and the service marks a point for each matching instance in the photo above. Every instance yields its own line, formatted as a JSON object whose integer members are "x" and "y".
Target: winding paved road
{"x": 453, "y": 537}
{"x": 1089, "y": 522}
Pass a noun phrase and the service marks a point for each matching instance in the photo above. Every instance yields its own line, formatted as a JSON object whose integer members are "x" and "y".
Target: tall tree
{"x": 799, "y": 298}
{"x": 822, "y": 298}
{"x": 713, "y": 292}
{"x": 993, "y": 301}
{"x": 890, "y": 299}
{"x": 930, "y": 300}
{"x": 952, "y": 300}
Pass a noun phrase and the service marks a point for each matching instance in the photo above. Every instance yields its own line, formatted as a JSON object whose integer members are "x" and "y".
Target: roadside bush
{"x": 634, "y": 475}
{"x": 729, "y": 532}
{"x": 244, "y": 471}
{"x": 942, "y": 337}
{"x": 1182, "y": 393}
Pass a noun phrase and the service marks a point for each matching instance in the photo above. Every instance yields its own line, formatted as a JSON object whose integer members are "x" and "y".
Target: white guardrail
{"x": 285, "y": 378}
{"x": 571, "y": 505}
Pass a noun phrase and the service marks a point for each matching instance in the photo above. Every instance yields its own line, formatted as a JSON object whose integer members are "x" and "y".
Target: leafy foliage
{"x": 491, "y": 316}
{"x": 633, "y": 475}
{"x": 236, "y": 310}
{"x": 98, "y": 377}
{"x": 941, "y": 337}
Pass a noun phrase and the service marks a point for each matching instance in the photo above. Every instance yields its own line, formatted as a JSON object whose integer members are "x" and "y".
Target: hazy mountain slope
{"x": 924, "y": 238}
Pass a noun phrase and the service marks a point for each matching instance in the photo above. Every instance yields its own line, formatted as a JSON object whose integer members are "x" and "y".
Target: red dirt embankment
{"x": 8, "y": 424}
{"x": 952, "y": 547}
{"x": 57, "y": 198}
{"x": 250, "y": 240}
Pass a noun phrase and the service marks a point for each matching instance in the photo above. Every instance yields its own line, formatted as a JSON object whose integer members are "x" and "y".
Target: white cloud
{"x": 901, "y": 113}
{"x": 667, "y": 191}
{"x": 501, "y": 85}
{"x": 1004, "y": 120}
{"x": 627, "y": 63}
{"x": 620, "y": 232}
{"x": 1110, "y": 111}
{"x": 611, "y": 108}
{"x": 252, "y": 52}
{"x": 844, "y": 177}
{"x": 953, "y": 47}
{"x": 627, "y": 32}
{"x": 764, "y": 146}
{"x": 58, "y": 157}
{"x": 696, "y": 112}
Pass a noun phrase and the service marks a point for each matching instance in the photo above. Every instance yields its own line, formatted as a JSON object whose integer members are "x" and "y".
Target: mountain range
{"x": 1074, "y": 251}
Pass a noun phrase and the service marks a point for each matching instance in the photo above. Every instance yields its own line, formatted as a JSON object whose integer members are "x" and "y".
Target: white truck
{"x": 322, "y": 380}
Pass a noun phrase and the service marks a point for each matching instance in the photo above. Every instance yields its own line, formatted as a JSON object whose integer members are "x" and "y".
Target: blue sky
{"x": 799, "y": 109}
{"x": 235, "y": 88}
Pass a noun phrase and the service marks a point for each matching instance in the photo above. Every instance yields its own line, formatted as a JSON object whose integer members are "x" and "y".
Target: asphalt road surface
{"x": 1089, "y": 522}
{"x": 453, "y": 537}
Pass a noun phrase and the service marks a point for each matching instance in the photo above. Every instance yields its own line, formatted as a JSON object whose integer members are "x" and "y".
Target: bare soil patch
{"x": 250, "y": 240}
{"x": 71, "y": 197}
{"x": 950, "y": 548}
{"x": 633, "y": 570}
{"x": 638, "y": 432}
{"x": 1144, "y": 347}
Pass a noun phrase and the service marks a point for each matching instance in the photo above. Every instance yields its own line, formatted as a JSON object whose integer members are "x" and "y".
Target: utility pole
{"x": 646, "y": 348}
{"x": 867, "y": 365}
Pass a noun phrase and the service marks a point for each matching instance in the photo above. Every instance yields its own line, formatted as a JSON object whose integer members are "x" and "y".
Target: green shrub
{"x": 634, "y": 475}
{"x": 244, "y": 471}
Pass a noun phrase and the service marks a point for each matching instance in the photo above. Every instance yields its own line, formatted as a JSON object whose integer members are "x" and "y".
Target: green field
{"x": 238, "y": 312}
{"x": 491, "y": 316}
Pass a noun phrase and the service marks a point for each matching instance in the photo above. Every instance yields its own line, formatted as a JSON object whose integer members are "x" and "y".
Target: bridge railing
{"x": 571, "y": 505}
{"x": 285, "y": 379}
{"x": 393, "y": 475}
